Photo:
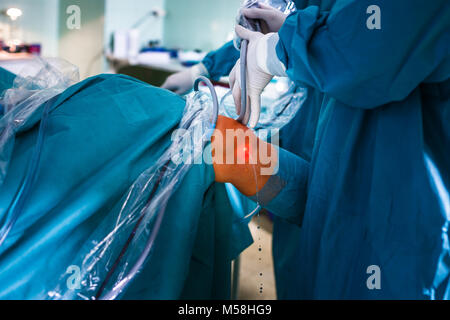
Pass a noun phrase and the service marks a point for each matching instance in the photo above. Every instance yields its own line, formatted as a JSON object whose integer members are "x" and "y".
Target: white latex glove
{"x": 271, "y": 18}
{"x": 182, "y": 82}
{"x": 257, "y": 77}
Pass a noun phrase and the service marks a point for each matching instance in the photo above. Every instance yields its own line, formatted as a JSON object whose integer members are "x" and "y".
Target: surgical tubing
{"x": 244, "y": 114}
{"x": 149, "y": 245}
{"x": 215, "y": 100}
{"x": 23, "y": 194}
{"x": 144, "y": 254}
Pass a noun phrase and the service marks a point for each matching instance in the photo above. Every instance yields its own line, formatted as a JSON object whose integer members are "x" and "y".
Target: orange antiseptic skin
{"x": 244, "y": 174}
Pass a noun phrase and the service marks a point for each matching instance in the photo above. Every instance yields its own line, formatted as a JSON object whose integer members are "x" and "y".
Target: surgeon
{"x": 373, "y": 200}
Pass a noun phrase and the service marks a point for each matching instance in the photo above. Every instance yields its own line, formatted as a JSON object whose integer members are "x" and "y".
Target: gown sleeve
{"x": 339, "y": 54}
{"x": 285, "y": 192}
{"x": 220, "y": 62}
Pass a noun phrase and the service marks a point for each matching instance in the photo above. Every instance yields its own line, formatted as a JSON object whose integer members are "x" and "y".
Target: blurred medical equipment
{"x": 11, "y": 32}
{"x": 11, "y": 37}
{"x": 126, "y": 43}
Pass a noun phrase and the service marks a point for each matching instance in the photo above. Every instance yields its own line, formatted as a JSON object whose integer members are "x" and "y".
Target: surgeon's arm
{"x": 215, "y": 65}
{"x": 285, "y": 192}
{"x": 271, "y": 176}
{"x": 220, "y": 62}
{"x": 362, "y": 67}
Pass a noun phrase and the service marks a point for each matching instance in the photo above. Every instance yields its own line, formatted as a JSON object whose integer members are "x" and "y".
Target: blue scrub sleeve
{"x": 338, "y": 54}
{"x": 220, "y": 62}
{"x": 285, "y": 193}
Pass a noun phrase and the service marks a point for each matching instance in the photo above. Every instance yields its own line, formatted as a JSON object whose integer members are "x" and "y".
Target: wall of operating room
{"x": 193, "y": 18}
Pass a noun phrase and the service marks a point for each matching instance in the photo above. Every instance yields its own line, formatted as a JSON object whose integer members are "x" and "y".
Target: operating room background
{"x": 194, "y": 24}
{"x": 188, "y": 25}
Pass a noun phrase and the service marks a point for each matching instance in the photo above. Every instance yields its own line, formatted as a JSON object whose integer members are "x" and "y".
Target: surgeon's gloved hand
{"x": 270, "y": 18}
{"x": 262, "y": 65}
{"x": 182, "y": 82}
{"x": 240, "y": 157}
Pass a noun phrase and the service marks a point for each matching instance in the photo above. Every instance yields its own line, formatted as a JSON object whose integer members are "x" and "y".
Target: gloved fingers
{"x": 172, "y": 87}
{"x": 237, "y": 93}
{"x": 179, "y": 90}
{"x": 235, "y": 85}
{"x": 258, "y": 14}
{"x": 244, "y": 33}
{"x": 175, "y": 84}
{"x": 262, "y": 13}
{"x": 168, "y": 87}
{"x": 168, "y": 84}
{"x": 233, "y": 74}
{"x": 255, "y": 107}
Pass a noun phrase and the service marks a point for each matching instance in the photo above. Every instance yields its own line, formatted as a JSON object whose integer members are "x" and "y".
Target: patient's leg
{"x": 238, "y": 159}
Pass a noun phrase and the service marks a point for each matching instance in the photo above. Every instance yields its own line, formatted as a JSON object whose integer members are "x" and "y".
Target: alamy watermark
{"x": 374, "y": 20}
{"x": 73, "y": 282}
{"x": 374, "y": 280}
{"x": 74, "y": 17}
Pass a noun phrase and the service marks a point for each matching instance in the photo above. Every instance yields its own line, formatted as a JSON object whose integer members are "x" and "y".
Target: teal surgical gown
{"x": 102, "y": 134}
{"x": 372, "y": 192}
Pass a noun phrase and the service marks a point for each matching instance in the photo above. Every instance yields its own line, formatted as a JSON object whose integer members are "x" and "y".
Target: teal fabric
{"x": 102, "y": 133}
{"x": 297, "y": 137}
{"x": 382, "y": 105}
